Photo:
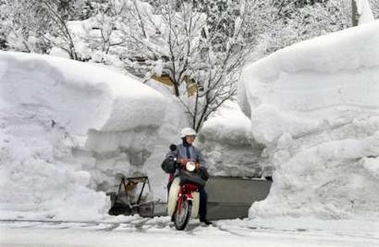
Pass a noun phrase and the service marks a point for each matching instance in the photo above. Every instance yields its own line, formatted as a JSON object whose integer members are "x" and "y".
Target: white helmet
{"x": 187, "y": 132}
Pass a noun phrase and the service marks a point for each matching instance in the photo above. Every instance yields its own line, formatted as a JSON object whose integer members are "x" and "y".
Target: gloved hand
{"x": 197, "y": 165}
{"x": 182, "y": 162}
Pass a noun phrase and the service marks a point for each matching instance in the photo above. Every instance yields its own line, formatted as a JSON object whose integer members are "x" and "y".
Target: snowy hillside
{"x": 66, "y": 128}
{"x": 315, "y": 105}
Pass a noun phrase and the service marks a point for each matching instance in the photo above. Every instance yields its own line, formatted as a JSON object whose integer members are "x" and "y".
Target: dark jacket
{"x": 190, "y": 152}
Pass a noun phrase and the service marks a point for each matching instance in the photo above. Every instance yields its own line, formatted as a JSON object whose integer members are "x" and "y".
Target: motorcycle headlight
{"x": 190, "y": 166}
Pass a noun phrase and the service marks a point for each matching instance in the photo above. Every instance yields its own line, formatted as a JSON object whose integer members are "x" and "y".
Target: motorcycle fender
{"x": 195, "y": 204}
{"x": 173, "y": 196}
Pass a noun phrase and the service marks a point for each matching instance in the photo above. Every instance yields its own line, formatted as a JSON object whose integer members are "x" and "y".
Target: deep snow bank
{"x": 173, "y": 121}
{"x": 66, "y": 128}
{"x": 227, "y": 143}
{"x": 315, "y": 107}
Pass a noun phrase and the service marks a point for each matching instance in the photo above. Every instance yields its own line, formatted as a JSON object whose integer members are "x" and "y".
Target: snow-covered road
{"x": 160, "y": 232}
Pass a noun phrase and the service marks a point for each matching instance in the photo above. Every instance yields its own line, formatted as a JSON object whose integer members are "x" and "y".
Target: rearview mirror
{"x": 173, "y": 147}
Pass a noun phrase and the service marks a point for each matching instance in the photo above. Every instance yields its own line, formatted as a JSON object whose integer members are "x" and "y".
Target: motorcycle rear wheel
{"x": 181, "y": 219}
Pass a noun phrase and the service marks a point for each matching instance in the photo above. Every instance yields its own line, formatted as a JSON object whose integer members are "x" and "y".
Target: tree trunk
{"x": 354, "y": 13}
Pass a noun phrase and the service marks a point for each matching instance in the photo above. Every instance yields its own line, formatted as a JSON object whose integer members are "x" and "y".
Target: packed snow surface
{"x": 315, "y": 105}
{"x": 134, "y": 231}
{"x": 66, "y": 129}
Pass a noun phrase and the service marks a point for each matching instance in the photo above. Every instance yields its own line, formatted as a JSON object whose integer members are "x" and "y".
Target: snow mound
{"x": 315, "y": 105}
{"x": 227, "y": 143}
{"x": 66, "y": 129}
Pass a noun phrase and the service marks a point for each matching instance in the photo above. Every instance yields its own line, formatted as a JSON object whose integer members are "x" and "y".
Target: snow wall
{"x": 315, "y": 106}
{"x": 227, "y": 143}
{"x": 66, "y": 129}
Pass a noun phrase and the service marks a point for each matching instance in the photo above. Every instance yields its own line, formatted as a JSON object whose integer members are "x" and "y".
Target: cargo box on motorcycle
{"x": 194, "y": 178}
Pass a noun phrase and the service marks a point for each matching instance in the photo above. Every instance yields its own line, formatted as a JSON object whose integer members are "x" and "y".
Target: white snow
{"x": 364, "y": 11}
{"x": 227, "y": 143}
{"x": 66, "y": 129}
{"x": 159, "y": 231}
{"x": 315, "y": 105}
{"x": 59, "y": 52}
{"x": 173, "y": 121}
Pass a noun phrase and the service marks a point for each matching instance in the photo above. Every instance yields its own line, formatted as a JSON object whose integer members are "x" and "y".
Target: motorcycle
{"x": 184, "y": 199}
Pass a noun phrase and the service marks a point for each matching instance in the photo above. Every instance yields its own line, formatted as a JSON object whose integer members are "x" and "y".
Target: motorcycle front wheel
{"x": 181, "y": 219}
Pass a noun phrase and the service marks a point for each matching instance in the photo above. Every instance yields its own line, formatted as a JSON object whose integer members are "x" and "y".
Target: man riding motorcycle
{"x": 185, "y": 152}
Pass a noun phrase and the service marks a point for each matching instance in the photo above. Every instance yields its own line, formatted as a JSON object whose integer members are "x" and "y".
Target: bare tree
{"x": 105, "y": 36}
{"x": 57, "y": 12}
{"x": 354, "y": 13}
{"x": 42, "y": 24}
{"x": 199, "y": 48}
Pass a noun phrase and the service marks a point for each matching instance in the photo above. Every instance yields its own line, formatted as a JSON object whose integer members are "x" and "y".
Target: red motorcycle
{"x": 184, "y": 199}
